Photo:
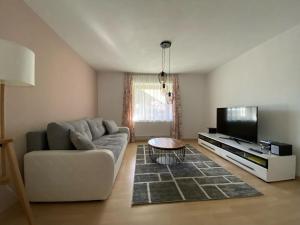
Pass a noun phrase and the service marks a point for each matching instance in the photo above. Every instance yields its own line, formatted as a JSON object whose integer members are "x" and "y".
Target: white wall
{"x": 110, "y": 95}
{"x": 267, "y": 76}
{"x": 194, "y": 103}
{"x": 193, "y": 95}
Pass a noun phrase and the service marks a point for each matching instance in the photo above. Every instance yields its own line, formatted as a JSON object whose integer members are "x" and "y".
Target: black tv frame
{"x": 234, "y": 138}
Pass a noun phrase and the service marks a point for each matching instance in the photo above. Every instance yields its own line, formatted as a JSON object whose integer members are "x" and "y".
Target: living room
{"x": 97, "y": 62}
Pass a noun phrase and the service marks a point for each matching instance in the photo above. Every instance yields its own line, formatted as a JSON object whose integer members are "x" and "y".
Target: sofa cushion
{"x": 82, "y": 127}
{"x": 112, "y": 142}
{"x": 97, "y": 128}
{"x": 81, "y": 142}
{"x": 58, "y": 134}
{"x": 111, "y": 126}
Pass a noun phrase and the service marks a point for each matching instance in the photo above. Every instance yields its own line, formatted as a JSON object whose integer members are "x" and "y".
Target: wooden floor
{"x": 280, "y": 205}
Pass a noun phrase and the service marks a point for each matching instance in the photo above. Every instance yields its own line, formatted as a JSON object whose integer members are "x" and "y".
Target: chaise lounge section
{"x": 63, "y": 173}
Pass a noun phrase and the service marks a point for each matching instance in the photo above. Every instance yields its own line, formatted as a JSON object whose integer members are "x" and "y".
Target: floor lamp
{"x": 16, "y": 69}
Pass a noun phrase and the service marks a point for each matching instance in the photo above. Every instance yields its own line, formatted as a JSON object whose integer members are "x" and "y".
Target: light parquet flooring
{"x": 279, "y": 205}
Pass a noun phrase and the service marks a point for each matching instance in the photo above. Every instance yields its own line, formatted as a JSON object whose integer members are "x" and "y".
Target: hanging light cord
{"x": 162, "y": 59}
{"x": 169, "y": 65}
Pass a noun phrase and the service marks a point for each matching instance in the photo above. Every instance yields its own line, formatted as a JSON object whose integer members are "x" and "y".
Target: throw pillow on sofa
{"x": 58, "y": 134}
{"x": 97, "y": 128}
{"x": 81, "y": 142}
{"x": 111, "y": 126}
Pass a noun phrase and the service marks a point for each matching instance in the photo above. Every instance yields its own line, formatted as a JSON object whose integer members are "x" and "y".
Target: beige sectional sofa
{"x": 62, "y": 175}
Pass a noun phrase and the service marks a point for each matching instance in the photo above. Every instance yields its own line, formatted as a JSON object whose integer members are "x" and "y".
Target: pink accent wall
{"x": 66, "y": 86}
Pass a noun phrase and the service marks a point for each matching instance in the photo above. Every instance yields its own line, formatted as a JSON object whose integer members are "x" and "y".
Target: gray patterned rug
{"x": 197, "y": 178}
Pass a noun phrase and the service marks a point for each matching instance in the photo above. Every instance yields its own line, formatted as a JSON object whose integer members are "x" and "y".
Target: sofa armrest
{"x": 68, "y": 175}
{"x": 125, "y": 130}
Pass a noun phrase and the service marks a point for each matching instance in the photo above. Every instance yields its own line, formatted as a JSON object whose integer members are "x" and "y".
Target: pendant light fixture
{"x": 164, "y": 88}
{"x": 170, "y": 94}
{"x": 163, "y": 77}
{"x": 169, "y": 97}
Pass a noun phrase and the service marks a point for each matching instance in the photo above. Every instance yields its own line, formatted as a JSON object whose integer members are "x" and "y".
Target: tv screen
{"x": 238, "y": 122}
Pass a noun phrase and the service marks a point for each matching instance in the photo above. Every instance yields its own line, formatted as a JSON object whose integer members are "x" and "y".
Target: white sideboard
{"x": 265, "y": 166}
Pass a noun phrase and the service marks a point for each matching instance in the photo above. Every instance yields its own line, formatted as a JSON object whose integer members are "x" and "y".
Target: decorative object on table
{"x": 17, "y": 64}
{"x": 166, "y": 151}
{"x": 276, "y": 148}
{"x": 265, "y": 146}
{"x": 281, "y": 149}
{"x": 198, "y": 178}
{"x": 163, "y": 77}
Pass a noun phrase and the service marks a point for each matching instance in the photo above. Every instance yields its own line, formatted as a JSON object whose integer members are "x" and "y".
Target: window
{"x": 149, "y": 104}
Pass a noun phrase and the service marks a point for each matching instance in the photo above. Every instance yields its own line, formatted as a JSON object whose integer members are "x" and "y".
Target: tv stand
{"x": 268, "y": 167}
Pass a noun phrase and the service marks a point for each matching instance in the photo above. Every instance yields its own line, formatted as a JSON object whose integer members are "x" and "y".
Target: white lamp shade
{"x": 17, "y": 64}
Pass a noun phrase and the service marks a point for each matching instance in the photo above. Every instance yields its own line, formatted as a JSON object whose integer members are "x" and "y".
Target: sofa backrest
{"x": 37, "y": 140}
{"x": 57, "y": 135}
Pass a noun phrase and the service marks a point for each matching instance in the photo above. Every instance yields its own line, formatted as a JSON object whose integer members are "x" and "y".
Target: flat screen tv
{"x": 240, "y": 123}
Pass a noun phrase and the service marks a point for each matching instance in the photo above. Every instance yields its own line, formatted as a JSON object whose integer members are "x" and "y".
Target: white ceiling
{"x": 124, "y": 35}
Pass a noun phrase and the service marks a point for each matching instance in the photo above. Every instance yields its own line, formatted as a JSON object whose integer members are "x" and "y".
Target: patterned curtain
{"x": 176, "y": 110}
{"x": 127, "y": 118}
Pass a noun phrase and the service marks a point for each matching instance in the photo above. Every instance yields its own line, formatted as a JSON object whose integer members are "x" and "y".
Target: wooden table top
{"x": 166, "y": 143}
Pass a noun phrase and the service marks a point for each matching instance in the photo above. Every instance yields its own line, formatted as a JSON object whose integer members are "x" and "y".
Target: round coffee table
{"x": 166, "y": 150}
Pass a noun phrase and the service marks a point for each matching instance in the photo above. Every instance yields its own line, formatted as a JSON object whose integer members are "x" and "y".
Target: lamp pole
{"x": 17, "y": 64}
{"x": 2, "y": 130}
{"x": 8, "y": 153}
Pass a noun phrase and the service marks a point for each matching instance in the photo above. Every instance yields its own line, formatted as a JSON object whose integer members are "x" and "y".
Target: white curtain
{"x": 149, "y": 103}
